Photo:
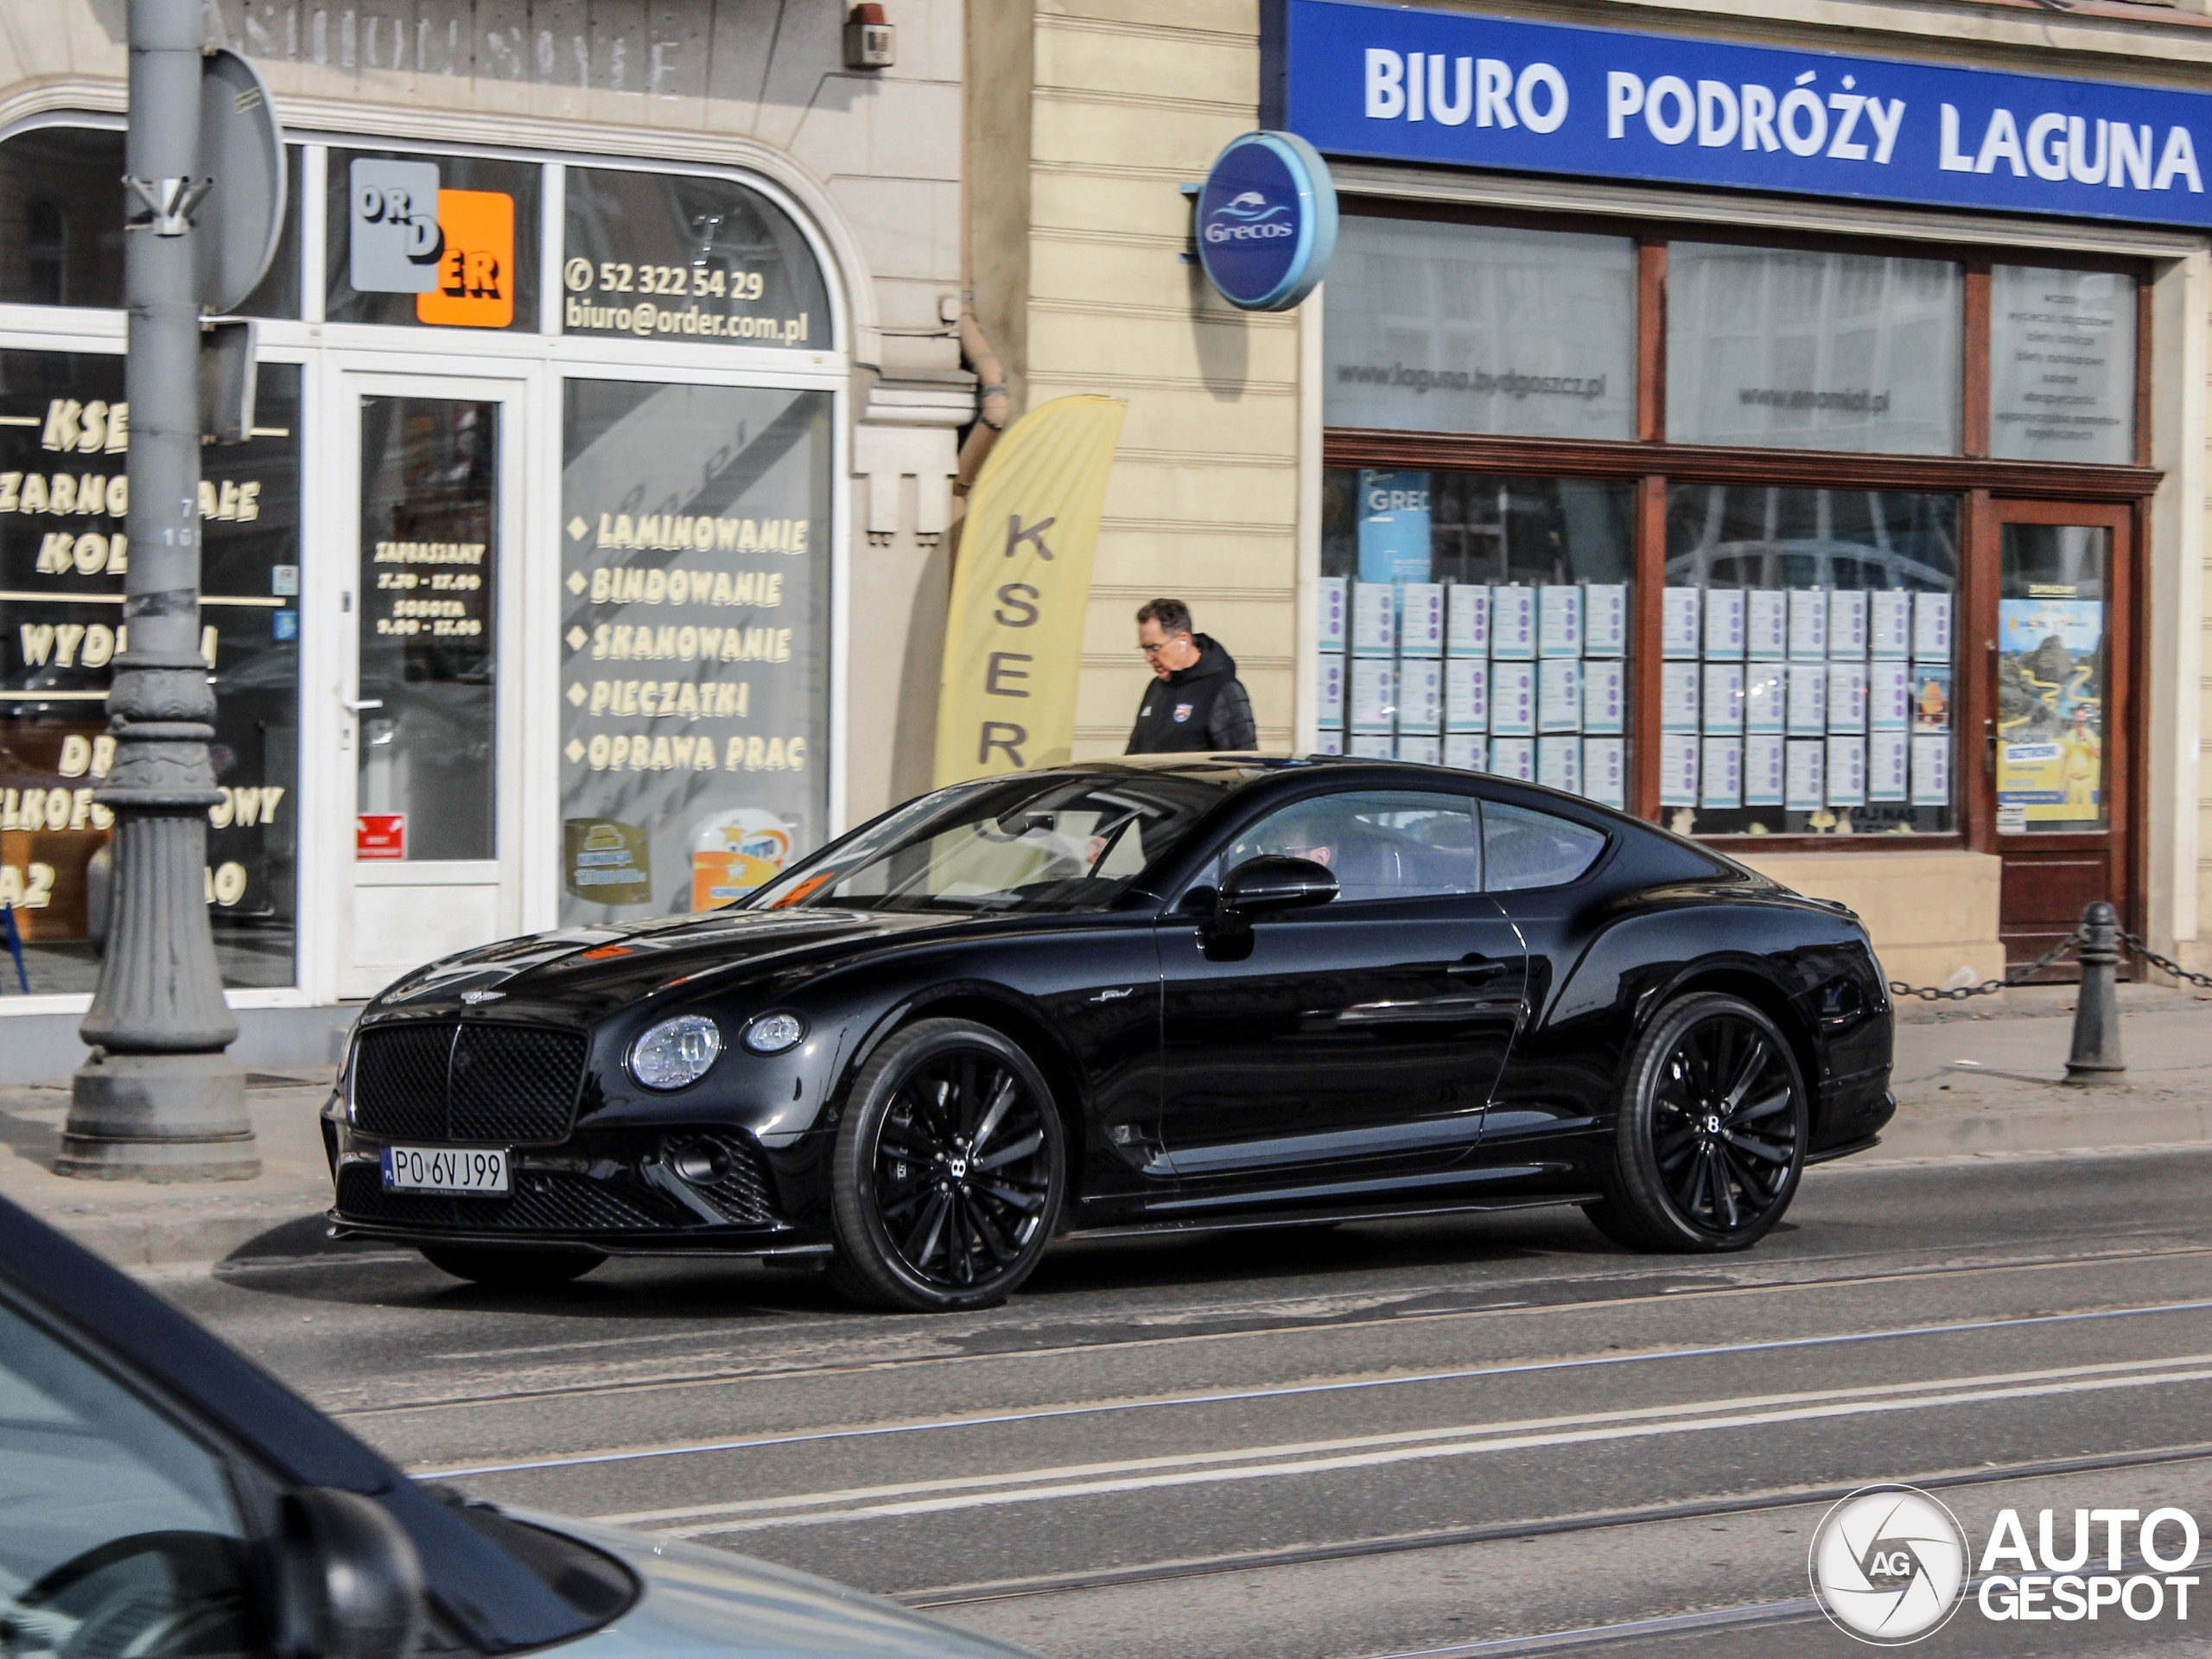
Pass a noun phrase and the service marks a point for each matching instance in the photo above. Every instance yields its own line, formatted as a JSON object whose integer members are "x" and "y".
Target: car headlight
{"x": 676, "y": 1052}
{"x": 771, "y": 1034}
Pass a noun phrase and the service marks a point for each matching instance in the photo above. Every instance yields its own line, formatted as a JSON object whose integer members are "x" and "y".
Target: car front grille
{"x": 467, "y": 1083}
{"x": 567, "y": 1201}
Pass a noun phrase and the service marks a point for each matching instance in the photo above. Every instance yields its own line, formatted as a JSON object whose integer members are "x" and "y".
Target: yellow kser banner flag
{"x": 1013, "y": 641}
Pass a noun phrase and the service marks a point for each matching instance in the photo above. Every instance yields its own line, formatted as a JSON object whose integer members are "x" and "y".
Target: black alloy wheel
{"x": 496, "y": 1268}
{"x": 1711, "y": 1137}
{"x": 949, "y": 1172}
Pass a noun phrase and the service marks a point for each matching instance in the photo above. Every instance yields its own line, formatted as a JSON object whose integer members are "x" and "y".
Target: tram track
{"x": 1673, "y": 1295}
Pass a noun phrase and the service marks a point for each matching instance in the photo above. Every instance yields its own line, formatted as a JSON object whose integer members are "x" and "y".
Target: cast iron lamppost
{"x": 160, "y": 1100}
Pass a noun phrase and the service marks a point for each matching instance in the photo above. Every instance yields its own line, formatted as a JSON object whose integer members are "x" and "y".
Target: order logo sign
{"x": 475, "y": 286}
{"x": 1267, "y": 221}
{"x": 453, "y": 249}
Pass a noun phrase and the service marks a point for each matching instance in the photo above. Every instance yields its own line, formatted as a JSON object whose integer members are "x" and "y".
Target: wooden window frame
{"x": 1654, "y": 463}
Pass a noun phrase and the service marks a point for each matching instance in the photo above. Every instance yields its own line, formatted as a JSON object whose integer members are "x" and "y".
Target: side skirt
{"x": 1308, "y": 1217}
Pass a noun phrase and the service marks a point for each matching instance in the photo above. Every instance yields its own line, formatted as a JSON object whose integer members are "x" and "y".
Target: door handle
{"x": 354, "y": 706}
{"x": 1475, "y": 969}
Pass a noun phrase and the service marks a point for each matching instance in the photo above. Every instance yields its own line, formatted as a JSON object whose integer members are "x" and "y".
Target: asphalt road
{"x": 1481, "y": 1434}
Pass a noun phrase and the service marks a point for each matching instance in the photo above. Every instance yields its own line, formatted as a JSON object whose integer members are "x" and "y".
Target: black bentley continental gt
{"x": 1173, "y": 993}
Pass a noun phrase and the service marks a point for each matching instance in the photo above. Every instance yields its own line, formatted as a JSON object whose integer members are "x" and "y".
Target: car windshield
{"x": 1023, "y": 843}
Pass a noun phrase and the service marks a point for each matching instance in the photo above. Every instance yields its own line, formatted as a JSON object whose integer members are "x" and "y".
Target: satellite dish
{"x": 242, "y": 150}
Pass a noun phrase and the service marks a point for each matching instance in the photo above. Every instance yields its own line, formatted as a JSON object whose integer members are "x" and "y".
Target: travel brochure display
{"x": 1810, "y": 698}
{"x": 2050, "y": 714}
{"x": 1804, "y": 699}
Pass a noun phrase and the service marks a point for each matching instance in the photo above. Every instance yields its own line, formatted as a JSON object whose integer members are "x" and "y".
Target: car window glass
{"x": 1378, "y": 843}
{"x": 1524, "y": 848}
{"x": 1017, "y": 844}
{"x": 119, "y": 1535}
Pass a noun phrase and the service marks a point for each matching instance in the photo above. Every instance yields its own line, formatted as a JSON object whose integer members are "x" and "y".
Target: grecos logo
{"x": 1247, "y": 218}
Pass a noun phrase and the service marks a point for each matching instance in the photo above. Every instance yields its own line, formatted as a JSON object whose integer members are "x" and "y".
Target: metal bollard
{"x": 2096, "y": 1057}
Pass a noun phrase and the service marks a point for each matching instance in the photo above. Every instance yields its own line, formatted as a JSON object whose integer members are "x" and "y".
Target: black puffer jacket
{"x": 1197, "y": 709}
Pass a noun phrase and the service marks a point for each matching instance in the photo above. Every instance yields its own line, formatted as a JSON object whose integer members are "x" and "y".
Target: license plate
{"x": 444, "y": 1169}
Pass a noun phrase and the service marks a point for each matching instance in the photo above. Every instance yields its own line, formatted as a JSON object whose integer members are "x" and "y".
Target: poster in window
{"x": 1809, "y": 699}
{"x": 1889, "y": 696}
{"x": 1765, "y": 697}
{"x": 1724, "y": 622}
{"x": 1558, "y": 695}
{"x": 1808, "y": 623}
{"x": 1513, "y": 622}
{"x": 1559, "y": 763}
{"x": 1847, "y": 623}
{"x": 1466, "y": 695}
{"x": 2051, "y": 731}
{"x": 1678, "y": 697}
{"x": 64, "y": 556}
{"x": 1420, "y": 620}
{"x": 1847, "y": 772}
{"x": 1605, "y": 620}
{"x": 1513, "y": 698}
{"x": 1558, "y": 623}
{"x": 1604, "y": 697}
{"x": 1889, "y": 766}
{"x": 1804, "y": 779}
{"x": 1763, "y": 770}
{"x": 1514, "y": 758}
{"x": 1334, "y": 608}
{"x": 1605, "y": 771}
{"x": 1766, "y": 625}
{"x": 1466, "y": 750}
{"x": 1466, "y": 620}
{"x": 1374, "y": 693}
{"x": 1678, "y": 757}
{"x": 1723, "y": 781}
{"x": 1888, "y": 627}
{"x": 1678, "y": 621}
{"x": 695, "y": 636}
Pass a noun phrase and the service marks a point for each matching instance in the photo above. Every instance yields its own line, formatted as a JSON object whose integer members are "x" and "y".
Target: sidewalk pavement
{"x": 1974, "y": 1080}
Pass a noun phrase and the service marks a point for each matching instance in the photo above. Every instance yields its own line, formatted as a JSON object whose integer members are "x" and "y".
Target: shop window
{"x": 1479, "y": 621}
{"x": 681, "y": 257}
{"x": 1445, "y": 327}
{"x": 64, "y": 551}
{"x": 1789, "y": 349}
{"x": 1809, "y": 677}
{"x": 61, "y": 201}
{"x": 2062, "y": 365}
{"x": 694, "y": 642}
{"x": 440, "y": 241}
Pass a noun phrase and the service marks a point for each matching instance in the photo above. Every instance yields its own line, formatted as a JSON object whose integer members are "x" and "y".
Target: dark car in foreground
{"x": 1179, "y": 993}
{"x": 166, "y": 1499}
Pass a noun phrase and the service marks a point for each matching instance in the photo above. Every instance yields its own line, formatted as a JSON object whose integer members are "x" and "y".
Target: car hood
{"x": 588, "y": 969}
{"x": 703, "y": 1601}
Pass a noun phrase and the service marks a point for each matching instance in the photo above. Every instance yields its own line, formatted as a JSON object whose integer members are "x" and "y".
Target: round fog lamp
{"x": 771, "y": 1034}
{"x": 676, "y": 1052}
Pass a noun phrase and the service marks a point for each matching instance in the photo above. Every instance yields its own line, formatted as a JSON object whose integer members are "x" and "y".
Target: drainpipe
{"x": 993, "y": 404}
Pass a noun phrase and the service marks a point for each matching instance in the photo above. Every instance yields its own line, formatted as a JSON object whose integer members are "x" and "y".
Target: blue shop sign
{"x": 1405, "y": 85}
{"x": 1267, "y": 221}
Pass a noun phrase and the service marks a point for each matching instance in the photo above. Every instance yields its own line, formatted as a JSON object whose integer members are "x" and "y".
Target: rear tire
{"x": 521, "y": 1269}
{"x": 949, "y": 1171}
{"x": 1710, "y": 1140}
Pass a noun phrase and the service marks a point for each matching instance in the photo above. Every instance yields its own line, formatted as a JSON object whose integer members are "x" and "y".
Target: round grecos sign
{"x": 1267, "y": 221}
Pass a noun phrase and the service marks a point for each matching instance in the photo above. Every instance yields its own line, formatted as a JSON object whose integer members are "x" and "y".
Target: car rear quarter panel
{"x": 1605, "y": 963}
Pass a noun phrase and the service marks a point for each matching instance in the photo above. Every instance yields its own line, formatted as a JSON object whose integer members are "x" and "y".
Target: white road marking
{"x": 1462, "y": 1440}
{"x": 1294, "y": 1390}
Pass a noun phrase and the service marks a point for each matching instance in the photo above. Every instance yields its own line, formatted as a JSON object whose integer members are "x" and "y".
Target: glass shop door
{"x": 2057, "y": 727}
{"x": 428, "y": 704}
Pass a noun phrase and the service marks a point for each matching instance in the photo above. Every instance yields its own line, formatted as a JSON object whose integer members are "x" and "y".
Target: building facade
{"x": 1852, "y": 521}
{"x": 608, "y": 412}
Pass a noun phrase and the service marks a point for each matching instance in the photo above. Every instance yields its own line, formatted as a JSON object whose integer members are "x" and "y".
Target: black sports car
{"x": 1180, "y": 993}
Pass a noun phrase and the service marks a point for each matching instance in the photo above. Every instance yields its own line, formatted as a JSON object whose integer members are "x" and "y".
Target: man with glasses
{"x": 1195, "y": 704}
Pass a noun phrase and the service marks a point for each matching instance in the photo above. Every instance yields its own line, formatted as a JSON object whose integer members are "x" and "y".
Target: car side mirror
{"x": 1276, "y": 882}
{"x": 351, "y": 1585}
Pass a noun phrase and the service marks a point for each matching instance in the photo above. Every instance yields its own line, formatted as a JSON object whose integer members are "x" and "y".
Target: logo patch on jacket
{"x": 1183, "y": 711}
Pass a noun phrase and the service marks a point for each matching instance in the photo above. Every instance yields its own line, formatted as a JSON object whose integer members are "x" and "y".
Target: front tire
{"x": 948, "y": 1174}
{"x": 1710, "y": 1140}
{"x": 498, "y": 1269}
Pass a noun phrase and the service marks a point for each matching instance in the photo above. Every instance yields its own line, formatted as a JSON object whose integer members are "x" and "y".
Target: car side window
{"x": 118, "y": 1532}
{"x": 1378, "y": 843}
{"x": 1525, "y": 849}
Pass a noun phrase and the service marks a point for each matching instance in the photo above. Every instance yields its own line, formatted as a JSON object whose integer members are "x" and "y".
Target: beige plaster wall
{"x": 1932, "y": 916}
{"x": 1129, "y": 99}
